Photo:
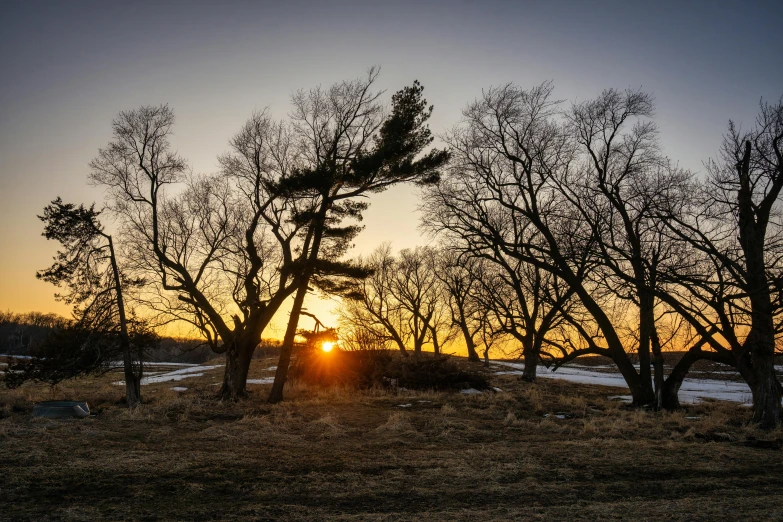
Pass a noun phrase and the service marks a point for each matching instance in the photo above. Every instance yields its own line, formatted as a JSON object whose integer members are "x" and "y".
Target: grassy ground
{"x": 341, "y": 455}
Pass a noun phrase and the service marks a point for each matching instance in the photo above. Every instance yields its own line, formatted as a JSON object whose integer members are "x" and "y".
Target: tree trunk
{"x": 238, "y": 359}
{"x": 132, "y": 378}
{"x": 766, "y": 389}
{"x": 276, "y": 395}
{"x": 132, "y": 389}
{"x": 658, "y": 375}
{"x": 646, "y": 333}
{"x": 435, "y": 344}
{"x": 471, "y": 346}
{"x": 530, "y": 353}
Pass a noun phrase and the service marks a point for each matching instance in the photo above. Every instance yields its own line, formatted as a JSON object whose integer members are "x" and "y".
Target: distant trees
{"x": 22, "y": 334}
{"x": 418, "y": 298}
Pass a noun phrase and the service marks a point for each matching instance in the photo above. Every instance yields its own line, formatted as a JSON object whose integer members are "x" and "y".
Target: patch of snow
{"x": 178, "y": 388}
{"x": 265, "y": 380}
{"x": 496, "y": 390}
{"x": 471, "y": 391}
{"x": 271, "y": 368}
{"x": 404, "y": 405}
{"x": 423, "y": 401}
{"x": 176, "y": 375}
{"x": 119, "y": 364}
{"x": 691, "y": 391}
{"x": 16, "y": 356}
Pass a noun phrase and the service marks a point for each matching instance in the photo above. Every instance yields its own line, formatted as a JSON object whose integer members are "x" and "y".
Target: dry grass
{"x": 549, "y": 451}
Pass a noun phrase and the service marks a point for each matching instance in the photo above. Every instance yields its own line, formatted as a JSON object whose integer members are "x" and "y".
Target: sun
{"x": 327, "y": 346}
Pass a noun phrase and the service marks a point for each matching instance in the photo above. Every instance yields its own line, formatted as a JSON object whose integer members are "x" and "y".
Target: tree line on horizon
{"x": 562, "y": 227}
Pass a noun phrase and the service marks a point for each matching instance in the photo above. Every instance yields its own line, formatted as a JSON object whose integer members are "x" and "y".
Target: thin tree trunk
{"x": 132, "y": 378}
{"x": 658, "y": 375}
{"x": 276, "y": 395}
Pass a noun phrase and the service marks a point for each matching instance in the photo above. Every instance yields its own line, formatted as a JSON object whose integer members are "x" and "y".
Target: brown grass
{"x": 338, "y": 454}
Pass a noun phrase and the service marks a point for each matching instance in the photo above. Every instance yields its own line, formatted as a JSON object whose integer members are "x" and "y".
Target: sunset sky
{"x": 69, "y": 67}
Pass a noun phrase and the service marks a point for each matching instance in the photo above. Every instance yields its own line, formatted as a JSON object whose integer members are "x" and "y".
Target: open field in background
{"x": 547, "y": 451}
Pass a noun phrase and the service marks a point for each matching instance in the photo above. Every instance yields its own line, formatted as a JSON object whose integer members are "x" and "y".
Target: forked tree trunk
{"x": 646, "y": 333}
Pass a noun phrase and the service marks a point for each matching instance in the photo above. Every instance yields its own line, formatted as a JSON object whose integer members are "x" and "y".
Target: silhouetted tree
{"x": 349, "y": 149}
{"x": 87, "y": 265}
{"x": 731, "y": 295}
{"x": 461, "y": 281}
{"x": 217, "y": 253}
{"x": 504, "y": 193}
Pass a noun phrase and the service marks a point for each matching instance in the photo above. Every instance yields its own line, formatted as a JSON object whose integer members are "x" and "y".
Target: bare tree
{"x": 504, "y": 194}
{"x": 372, "y": 312}
{"x": 215, "y": 249}
{"x": 461, "y": 278}
{"x": 732, "y": 293}
{"x": 415, "y": 287}
{"x": 620, "y": 177}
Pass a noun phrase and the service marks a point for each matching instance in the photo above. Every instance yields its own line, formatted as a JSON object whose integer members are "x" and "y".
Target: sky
{"x": 68, "y": 68}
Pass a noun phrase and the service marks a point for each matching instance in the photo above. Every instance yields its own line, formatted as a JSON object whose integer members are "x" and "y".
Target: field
{"x": 546, "y": 451}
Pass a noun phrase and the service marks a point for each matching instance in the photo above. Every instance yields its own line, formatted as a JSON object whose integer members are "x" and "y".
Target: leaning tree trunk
{"x": 469, "y": 343}
{"x": 276, "y": 395}
{"x": 435, "y": 344}
{"x": 132, "y": 378}
{"x": 670, "y": 399}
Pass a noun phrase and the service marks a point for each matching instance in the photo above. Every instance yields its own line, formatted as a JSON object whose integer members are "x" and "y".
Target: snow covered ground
{"x": 176, "y": 375}
{"x": 691, "y": 391}
{"x": 265, "y": 380}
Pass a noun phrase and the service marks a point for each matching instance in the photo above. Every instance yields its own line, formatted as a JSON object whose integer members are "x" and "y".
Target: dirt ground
{"x": 545, "y": 451}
